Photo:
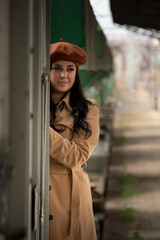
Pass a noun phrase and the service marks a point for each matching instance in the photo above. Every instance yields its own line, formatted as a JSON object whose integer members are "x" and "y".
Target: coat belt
{"x": 74, "y": 205}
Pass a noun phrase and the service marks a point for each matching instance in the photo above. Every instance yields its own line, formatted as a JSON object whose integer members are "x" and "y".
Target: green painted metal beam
{"x": 89, "y": 78}
{"x": 67, "y": 21}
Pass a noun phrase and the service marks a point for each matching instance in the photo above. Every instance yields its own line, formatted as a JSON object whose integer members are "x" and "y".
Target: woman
{"x": 74, "y": 133}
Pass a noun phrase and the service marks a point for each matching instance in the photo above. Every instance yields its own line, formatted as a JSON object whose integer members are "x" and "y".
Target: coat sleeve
{"x": 76, "y": 152}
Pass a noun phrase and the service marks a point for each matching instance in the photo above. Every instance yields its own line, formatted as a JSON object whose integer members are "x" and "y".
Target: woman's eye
{"x": 70, "y": 69}
{"x": 57, "y": 68}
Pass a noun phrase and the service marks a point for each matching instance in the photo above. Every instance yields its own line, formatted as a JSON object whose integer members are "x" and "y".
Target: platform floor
{"x": 133, "y": 194}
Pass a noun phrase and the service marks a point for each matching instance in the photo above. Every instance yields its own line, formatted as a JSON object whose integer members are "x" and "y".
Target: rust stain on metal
{"x": 31, "y": 115}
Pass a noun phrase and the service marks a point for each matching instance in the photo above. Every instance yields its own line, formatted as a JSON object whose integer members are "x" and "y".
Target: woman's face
{"x": 62, "y": 76}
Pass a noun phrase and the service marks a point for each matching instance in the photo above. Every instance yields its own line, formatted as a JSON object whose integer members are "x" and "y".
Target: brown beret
{"x": 67, "y": 51}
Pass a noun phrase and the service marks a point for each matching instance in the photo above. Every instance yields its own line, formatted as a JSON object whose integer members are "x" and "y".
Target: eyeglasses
{"x": 60, "y": 69}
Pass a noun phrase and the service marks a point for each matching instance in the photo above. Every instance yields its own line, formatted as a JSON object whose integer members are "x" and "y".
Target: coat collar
{"x": 65, "y": 101}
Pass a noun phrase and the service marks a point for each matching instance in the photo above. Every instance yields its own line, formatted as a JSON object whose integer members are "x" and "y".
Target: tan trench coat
{"x": 70, "y": 195}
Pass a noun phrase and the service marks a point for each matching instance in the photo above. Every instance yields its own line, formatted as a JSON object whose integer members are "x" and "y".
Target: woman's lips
{"x": 62, "y": 82}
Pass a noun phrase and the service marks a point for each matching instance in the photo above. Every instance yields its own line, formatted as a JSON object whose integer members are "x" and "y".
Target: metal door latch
{"x": 44, "y": 78}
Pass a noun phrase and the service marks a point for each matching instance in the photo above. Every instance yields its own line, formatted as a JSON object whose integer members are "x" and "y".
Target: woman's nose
{"x": 64, "y": 73}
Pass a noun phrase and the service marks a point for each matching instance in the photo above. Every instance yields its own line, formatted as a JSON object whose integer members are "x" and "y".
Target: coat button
{"x": 50, "y": 217}
{"x": 49, "y": 187}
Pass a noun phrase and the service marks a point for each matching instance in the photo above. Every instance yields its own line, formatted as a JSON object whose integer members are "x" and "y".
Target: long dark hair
{"x": 79, "y": 109}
